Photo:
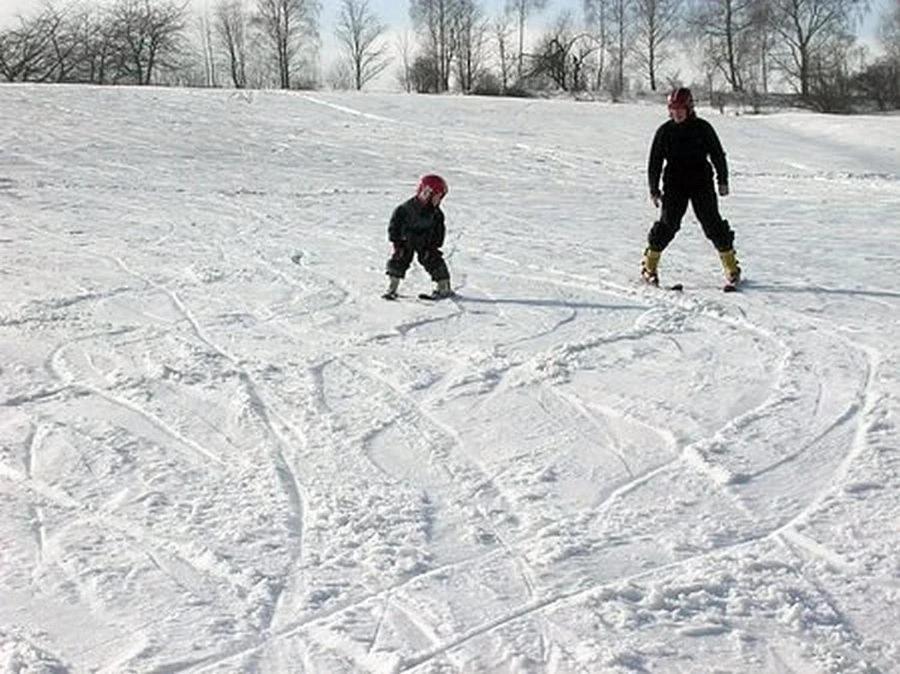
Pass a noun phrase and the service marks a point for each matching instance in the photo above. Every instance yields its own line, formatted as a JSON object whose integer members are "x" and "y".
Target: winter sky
{"x": 395, "y": 13}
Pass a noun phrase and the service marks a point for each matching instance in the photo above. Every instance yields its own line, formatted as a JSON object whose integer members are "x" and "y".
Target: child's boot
{"x": 648, "y": 266}
{"x": 443, "y": 288}
{"x": 730, "y": 266}
{"x": 393, "y": 284}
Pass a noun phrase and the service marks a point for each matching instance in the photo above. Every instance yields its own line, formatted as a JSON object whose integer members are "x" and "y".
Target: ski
{"x": 434, "y": 297}
{"x": 730, "y": 288}
{"x": 431, "y": 297}
{"x": 676, "y": 287}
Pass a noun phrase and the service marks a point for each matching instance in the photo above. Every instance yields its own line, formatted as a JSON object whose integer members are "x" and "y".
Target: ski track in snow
{"x": 225, "y": 452}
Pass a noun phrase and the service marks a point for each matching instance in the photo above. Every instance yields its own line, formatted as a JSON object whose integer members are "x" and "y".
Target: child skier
{"x": 417, "y": 228}
{"x": 684, "y": 143}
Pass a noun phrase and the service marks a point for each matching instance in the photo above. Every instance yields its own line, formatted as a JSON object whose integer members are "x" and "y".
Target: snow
{"x": 221, "y": 451}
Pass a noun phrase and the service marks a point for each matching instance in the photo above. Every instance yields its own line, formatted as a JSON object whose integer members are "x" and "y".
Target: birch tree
{"x": 622, "y": 29}
{"x": 230, "y": 24}
{"x": 404, "y": 49}
{"x": 470, "y": 30}
{"x": 597, "y": 18}
{"x": 809, "y": 32}
{"x": 435, "y": 20}
{"x": 359, "y": 32}
{"x": 726, "y": 27}
{"x": 889, "y": 32}
{"x": 205, "y": 31}
{"x": 502, "y": 35}
{"x": 656, "y": 22}
{"x": 522, "y": 9}
{"x": 290, "y": 27}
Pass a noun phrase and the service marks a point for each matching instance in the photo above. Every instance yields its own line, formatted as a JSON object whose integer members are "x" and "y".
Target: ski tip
{"x": 655, "y": 284}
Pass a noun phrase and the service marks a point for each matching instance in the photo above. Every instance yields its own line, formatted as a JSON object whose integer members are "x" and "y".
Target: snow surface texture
{"x": 221, "y": 451}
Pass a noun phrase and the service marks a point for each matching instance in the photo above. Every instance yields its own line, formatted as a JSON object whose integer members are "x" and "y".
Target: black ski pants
{"x": 705, "y": 203}
{"x": 430, "y": 258}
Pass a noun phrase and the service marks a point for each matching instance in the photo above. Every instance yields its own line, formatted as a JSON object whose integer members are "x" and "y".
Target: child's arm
{"x": 440, "y": 230}
{"x": 395, "y": 228}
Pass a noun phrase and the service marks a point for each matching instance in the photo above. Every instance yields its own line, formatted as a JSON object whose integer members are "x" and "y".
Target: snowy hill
{"x": 220, "y": 450}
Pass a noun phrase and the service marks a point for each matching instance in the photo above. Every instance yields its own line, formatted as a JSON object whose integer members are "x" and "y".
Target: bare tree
{"x": 425, "y": 75}
{"x": 69, "y": 28}
{"x": 622, "y": 26}
{"x": 761, "y": 36}
{"x": 889, "y": 32}
{"x": 502, "y": 34}
{"x": 148, "y": 34}
{"x": 562, "y": 52}
{"x": 880, "y": 81}
{"x": 435, "y": 19}
{"x": 290, "y": 26}
{"x": 809, "y": 34}
{"x": 656, "y": 22}
{"x": 727, "y": 26}
{"x": 340, "y": 76}
{"x": 26, "y": 52}
{"x": 470, "y": 29}
{"x": 359, "y": 31}
{"x": 231, "y": 29}
{"x": 100, "y": 48}
{"x": 597, "y": 17}
{"x": 204, "y": 28}
{"x": 404, "y": 51}
{"x": 522, "y": 9}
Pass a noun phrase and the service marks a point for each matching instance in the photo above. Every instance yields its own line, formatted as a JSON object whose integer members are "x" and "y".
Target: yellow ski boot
{"x": 731, "y": 268}
{"x": 649, "y": 263}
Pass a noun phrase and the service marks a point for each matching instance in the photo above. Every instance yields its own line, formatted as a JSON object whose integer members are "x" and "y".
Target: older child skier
{"x": 684, "y": 143}
{"x": 417, "y": 228}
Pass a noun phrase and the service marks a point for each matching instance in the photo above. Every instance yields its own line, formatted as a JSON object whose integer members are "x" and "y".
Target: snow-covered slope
{"x": 220, "y": 450}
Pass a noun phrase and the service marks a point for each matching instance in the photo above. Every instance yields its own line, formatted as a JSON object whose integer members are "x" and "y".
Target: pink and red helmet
{"x": 682, "y": 99}
{"x": 430, "y": 185}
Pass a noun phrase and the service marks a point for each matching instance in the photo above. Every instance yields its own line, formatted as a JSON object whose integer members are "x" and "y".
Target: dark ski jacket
{"x": 417, "y": 225}
{"x": 684, "y": 148}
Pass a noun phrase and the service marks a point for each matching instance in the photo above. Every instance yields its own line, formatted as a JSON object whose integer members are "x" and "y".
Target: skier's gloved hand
{"x": 398, "y": 248}
{"x": 723, "y": 189}
{"x": 656, "y": 198}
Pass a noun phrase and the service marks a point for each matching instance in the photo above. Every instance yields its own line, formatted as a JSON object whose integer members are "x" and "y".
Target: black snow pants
{"x": 706, "y": 207}
{"x": 430, "y": 258}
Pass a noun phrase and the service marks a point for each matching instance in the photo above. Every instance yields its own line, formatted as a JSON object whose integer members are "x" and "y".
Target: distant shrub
{"x": 489, "y": 84}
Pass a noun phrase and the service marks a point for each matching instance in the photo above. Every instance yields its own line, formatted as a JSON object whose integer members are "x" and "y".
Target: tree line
{"x": 748, "y": 50}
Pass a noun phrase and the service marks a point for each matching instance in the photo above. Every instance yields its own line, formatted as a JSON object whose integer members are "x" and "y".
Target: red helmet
{"x": 681, "y": 98}
{"x": 430, "y": 185}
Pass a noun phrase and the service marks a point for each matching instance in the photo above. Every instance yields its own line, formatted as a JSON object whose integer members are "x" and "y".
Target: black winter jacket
{"x": 684, "y": 148}
{"x": 418, "y": 225}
